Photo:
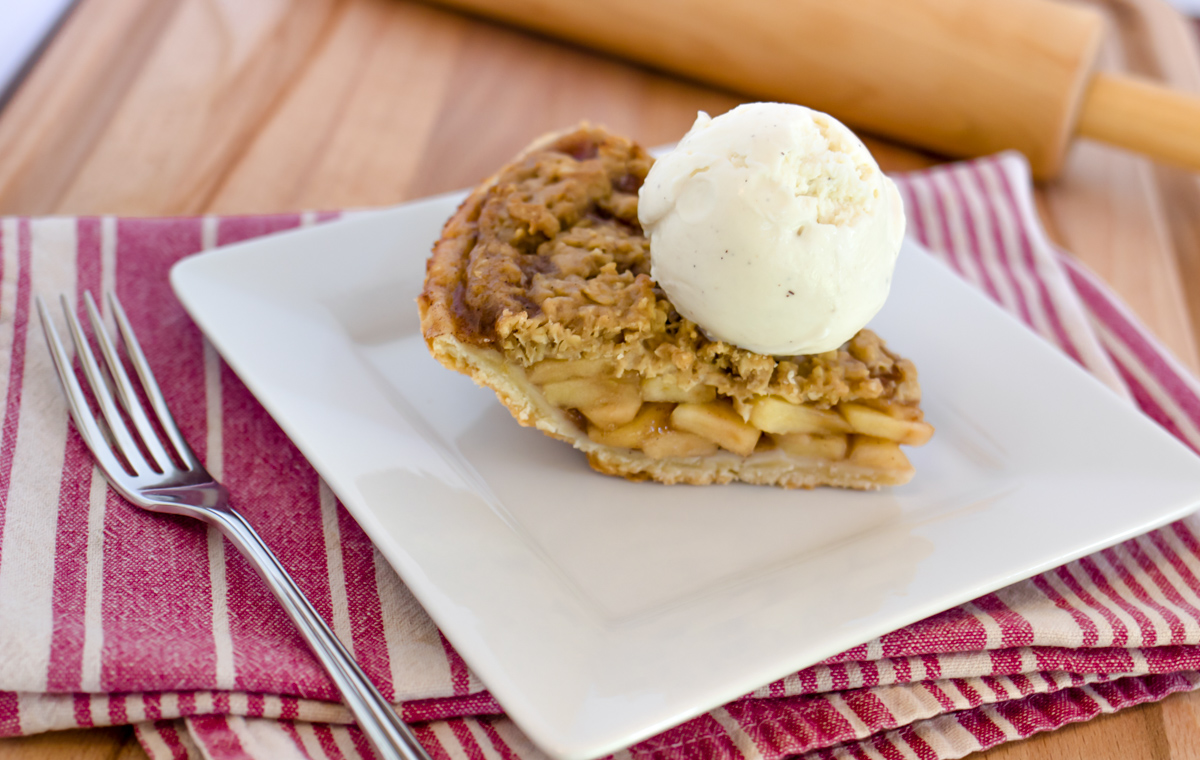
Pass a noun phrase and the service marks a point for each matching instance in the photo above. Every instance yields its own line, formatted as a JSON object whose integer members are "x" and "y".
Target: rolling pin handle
{"x": 1143, "y": 116}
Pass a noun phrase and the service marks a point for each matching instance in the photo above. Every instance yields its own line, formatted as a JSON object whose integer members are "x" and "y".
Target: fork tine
{"x": 150, "y": 385}
{"x": 91, "y": 370}
{"x": 85, "y": 421}
{"x": 126, "y": 395}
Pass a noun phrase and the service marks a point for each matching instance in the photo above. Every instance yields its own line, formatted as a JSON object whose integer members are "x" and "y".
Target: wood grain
{"x": 223, "y": 106}
{"x": 56, "y": 118}
{"x": 117, "y": 743}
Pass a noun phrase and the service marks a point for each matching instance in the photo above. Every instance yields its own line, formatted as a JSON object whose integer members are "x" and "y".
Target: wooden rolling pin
{"x": 960, "y": 77}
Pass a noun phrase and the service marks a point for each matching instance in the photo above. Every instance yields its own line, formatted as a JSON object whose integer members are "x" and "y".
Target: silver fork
{"x": 174, "y": 481}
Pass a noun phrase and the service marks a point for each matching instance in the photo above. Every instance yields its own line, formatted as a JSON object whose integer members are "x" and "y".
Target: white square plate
{"x": 599, "y": 611}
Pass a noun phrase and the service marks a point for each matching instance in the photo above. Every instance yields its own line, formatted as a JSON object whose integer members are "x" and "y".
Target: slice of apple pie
{"x": 540, "y": 289}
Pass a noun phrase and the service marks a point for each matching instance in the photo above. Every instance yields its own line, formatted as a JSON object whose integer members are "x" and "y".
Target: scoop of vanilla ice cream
{"x": 772, "y": 228}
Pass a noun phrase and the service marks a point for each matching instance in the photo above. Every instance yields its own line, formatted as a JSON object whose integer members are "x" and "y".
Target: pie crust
{"x": 539, "y": 288}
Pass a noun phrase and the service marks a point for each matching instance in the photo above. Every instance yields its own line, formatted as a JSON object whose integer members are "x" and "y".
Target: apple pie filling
{"x": 664, "y": 419}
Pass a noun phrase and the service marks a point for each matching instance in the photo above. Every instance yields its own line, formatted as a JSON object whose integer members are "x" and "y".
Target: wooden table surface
{"x": 152, "y": 107}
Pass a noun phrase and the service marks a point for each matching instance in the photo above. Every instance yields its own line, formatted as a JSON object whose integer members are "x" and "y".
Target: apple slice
{"x": 650, "y": 421}
{"x": 667, "y": 388}
{"x": 864, "y": 419}
{"x": 605, "y": 402}
{"x": 675, "y": 444}
{"x": 557, "y": 370}
{"x": 831, "y": 447}
{"x": 772, "y": 414}
{"x": 877, "y": 453}
{"x": 719, "y": 423}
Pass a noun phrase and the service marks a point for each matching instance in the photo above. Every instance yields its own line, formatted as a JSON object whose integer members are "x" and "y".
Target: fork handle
{"x": 392, "y": 738}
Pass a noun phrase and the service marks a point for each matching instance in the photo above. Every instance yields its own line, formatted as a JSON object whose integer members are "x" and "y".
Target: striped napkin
{"x": 109, "y": 615}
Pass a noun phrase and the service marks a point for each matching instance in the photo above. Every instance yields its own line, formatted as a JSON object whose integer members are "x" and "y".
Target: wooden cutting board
{"x": 152, "y": 107}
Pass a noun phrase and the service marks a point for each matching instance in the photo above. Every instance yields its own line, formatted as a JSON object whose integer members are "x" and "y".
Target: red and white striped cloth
{"x": 109, "y": 615}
